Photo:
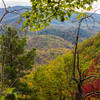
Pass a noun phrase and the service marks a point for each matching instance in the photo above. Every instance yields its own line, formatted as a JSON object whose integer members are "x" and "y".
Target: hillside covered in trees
{"x": 48, "y": 47}
{"x": 45, "y": 42}
{"x": 50, "y": 50}
{"x": 52, "y": 80}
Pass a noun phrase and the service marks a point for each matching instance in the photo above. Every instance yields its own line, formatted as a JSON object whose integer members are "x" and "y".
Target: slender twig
{"x": 92, "y": 76}
{"x": 91, "y": 93}
{"x": 16, "y": 10}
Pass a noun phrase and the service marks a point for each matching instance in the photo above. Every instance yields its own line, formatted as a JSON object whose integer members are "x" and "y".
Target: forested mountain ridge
{"x": 62, "y": 29}
{"x": 48, "y": 47}
{"x": 45, "y": 42}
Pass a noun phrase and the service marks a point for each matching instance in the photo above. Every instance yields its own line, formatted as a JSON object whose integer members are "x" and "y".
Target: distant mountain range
{"x": 65, "y": 29}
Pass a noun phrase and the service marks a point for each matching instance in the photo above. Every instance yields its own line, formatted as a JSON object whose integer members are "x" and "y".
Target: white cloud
{"x": 96, "y": 5}
{"x": 15, "y": 3}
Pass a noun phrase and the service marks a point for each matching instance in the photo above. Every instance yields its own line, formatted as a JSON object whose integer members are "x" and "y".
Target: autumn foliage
{"x": 94, "y": 86}
{"x": 91, "y": 85}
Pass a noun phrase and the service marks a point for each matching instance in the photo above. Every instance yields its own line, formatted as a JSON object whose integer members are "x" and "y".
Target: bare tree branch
{"x": 4, "y": 4}
{"x": 91, "y": 93}
{"x": 92, "y": 76}
{"x": 16, "y": 10}
{"x": 7, "y": 11}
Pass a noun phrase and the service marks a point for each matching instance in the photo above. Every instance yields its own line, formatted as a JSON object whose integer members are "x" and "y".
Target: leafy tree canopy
{"x": 43, "y": 11}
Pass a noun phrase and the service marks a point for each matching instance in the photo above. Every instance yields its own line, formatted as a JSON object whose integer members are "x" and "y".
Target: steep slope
{"x": 56, "y": 76}
{"x": 90, "y": 50}
{"x": 91, "y": 47}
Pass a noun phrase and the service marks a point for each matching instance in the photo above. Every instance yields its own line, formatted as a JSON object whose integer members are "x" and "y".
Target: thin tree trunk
{"x": 76, "y": 65}
{"x": 2, "y": 75}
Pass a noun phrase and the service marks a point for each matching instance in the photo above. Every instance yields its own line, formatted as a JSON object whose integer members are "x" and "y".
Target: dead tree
{"x": 79, "y": 81}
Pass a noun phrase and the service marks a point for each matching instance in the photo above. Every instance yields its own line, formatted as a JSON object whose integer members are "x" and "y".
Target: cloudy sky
{"x": 16, "y": 3}
{"x": 27, "y": 3}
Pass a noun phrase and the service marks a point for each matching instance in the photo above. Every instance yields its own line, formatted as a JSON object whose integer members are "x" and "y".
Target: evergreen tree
{"x": 15, "y": 60}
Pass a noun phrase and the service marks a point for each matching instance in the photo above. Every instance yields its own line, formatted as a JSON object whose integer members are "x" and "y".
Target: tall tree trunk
{"x": 2, "y": 75}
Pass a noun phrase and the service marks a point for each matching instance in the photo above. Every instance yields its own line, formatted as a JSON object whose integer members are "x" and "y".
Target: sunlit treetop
{"x": 43, "y": 11}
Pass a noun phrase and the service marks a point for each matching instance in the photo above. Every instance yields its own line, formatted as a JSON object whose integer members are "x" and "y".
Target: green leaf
{"x": 89, "y": 8}
{"x": 43, "y": 10}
